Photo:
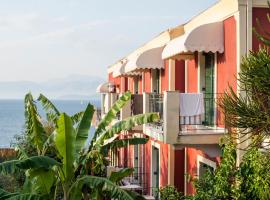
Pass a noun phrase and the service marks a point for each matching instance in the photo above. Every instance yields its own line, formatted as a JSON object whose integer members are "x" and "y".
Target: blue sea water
{"x": 12, "y": 116}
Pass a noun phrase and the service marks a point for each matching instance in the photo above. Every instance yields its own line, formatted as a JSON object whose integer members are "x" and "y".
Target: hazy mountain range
{"x": 79, "y": 87}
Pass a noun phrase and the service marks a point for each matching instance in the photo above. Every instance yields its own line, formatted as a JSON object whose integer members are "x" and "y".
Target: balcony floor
{"x": 200, "y": 136}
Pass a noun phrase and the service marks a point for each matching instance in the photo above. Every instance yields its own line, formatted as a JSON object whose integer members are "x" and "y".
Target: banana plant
{"x": 44, "y": 172}
{"x": 76, "y": 172}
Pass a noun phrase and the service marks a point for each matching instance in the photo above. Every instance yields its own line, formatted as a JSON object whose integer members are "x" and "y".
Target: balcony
{"x": 187, "y": 128}
{"x": 107, "y": 101}
{"x": 133, "y": 107}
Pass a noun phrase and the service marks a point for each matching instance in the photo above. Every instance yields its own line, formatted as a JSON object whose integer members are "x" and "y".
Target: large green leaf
{"x": 34, "y": 162}
{"x": 76, "y": 118}
{"x": 127, "y": 124}
{"x": 34, "y": 128}
{"x": 82, "y": 130}
{"x": 103, "y": 185}
{"x": 120, "y": 103}
{"x": 49, "y": 107}
{"x": 116, "y": 144}
{"x": 37, "y": 162}
{"x": 65, "y": 144}
{"x": 9, "y": 167}
{"x": 41, "y": 180}
{"x": 118, "y": 176}
{"x": 4, "y": 195}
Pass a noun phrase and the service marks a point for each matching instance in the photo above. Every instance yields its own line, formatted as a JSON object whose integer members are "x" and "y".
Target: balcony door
{"x": 209, "y": 88}
{"x": 155, "y": 80}
{"x": 136, "y": 162}
{"x": 155, "y": 167}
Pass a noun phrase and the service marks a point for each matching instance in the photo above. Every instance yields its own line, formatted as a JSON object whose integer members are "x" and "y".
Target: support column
{"x": 171, "y": 164}
{"x": 171, "y": 75}
{"x": 171, "y": 107}
{"x": 145, "y": 106}
{"x": 126, "y": 111}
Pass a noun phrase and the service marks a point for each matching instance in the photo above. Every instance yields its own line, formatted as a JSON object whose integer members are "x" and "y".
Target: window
{"x": 204, "y": 164}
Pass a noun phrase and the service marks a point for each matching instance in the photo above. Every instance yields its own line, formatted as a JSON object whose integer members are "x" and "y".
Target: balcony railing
{"x": 208, "y": 119}
{"x": 171, "y": 124}
{"x": 156, "y": 105}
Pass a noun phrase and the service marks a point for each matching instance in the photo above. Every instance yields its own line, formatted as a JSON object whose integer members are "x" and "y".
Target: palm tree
{"x": 62, "y": 161}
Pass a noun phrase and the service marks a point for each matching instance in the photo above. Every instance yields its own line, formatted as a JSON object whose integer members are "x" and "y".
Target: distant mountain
{"x": 79, "y": 87}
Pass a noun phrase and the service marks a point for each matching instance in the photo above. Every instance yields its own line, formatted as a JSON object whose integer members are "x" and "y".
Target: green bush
{"x": 169, "y": 192}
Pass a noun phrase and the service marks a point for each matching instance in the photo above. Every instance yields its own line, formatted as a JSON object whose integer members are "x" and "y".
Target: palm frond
{"x": 123, "y": 143}
{"x": 120, "y": 103}
{"x": 108, "y": 188}
{"x": 126, "y": 125}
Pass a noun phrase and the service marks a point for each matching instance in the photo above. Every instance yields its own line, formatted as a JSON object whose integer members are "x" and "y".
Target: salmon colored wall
{"x": 192, "y": 166}
{"x": 147, "y": 164}
{"x": 227, "y": 63}
{"x": 147, "y": 81}
{"x": 163, "y": 164}
{"x": 261, "y": 14}
{"x": 163, "y": 153}
{"x": 180, "y": 75}
{"x": 165, "y": 77}
{"x": 179, "y": 167}
{"x": 131, "y": 84}
{"x": 140, "y": 85}
{"x": 192, "y": 74}
{"x": 130, "y": 155}
{"x": 116, "y": 81}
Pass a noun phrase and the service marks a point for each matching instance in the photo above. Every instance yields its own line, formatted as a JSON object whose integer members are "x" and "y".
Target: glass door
{"x": 155, "y": 171}
{"x": 209, "y": 88}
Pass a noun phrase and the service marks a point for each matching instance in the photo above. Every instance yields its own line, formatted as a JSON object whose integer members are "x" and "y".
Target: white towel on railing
{"x": 191, "y": 104}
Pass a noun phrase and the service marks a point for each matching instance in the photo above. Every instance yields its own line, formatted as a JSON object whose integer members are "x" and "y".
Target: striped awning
{"x": 204, "y": 38}
{"x": 149, "y": 59}
{"x": 104, "y": 87}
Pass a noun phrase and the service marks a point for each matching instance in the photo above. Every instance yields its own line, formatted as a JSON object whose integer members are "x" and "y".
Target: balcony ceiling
{"x": 204, "y": 38}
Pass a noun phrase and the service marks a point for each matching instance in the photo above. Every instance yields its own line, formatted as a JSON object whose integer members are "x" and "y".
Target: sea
{"x": 12, "y": 117}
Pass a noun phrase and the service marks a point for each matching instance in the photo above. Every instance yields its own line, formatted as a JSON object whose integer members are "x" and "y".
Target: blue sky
{"x": 46, "y": 39}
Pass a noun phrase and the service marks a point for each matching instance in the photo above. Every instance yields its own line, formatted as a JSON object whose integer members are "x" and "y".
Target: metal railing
{"x": 156, "y": 105}
{"x": 206, "y": 120}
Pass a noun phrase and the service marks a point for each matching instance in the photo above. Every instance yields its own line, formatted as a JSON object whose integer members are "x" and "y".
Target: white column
{"x": 171, "y": 75}
{"x": 145, "y": 106}
{"x": 171, "y": 104}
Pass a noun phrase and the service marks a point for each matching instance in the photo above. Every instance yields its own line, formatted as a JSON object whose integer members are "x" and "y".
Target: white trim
{"x": 259, "y": 4}
{"x": 143, "y": 79}
{"x": 160, "y": 80}
{"x": 199, "y": 72}
{"x": 172, "y": 75}
{"x": 185, "y": 175}
{"x": 205, "y": 161}
{"x": 249, "y": 26}
{"x": 154, "y": 144}
{"x": 186, "y": 76}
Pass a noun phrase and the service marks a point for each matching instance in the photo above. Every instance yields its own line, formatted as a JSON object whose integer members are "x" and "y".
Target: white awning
{"x": 207, "y": 38}
{"x": 104, "y": 87}
{"x": 149, "y": 59}
{"x": 119, "y": 69}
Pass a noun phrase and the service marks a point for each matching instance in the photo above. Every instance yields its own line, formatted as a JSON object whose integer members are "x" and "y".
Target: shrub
{"x": 169, "y": 192}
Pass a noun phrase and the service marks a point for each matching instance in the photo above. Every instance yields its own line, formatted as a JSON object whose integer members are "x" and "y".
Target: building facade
{"x": 182, "y": 74}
